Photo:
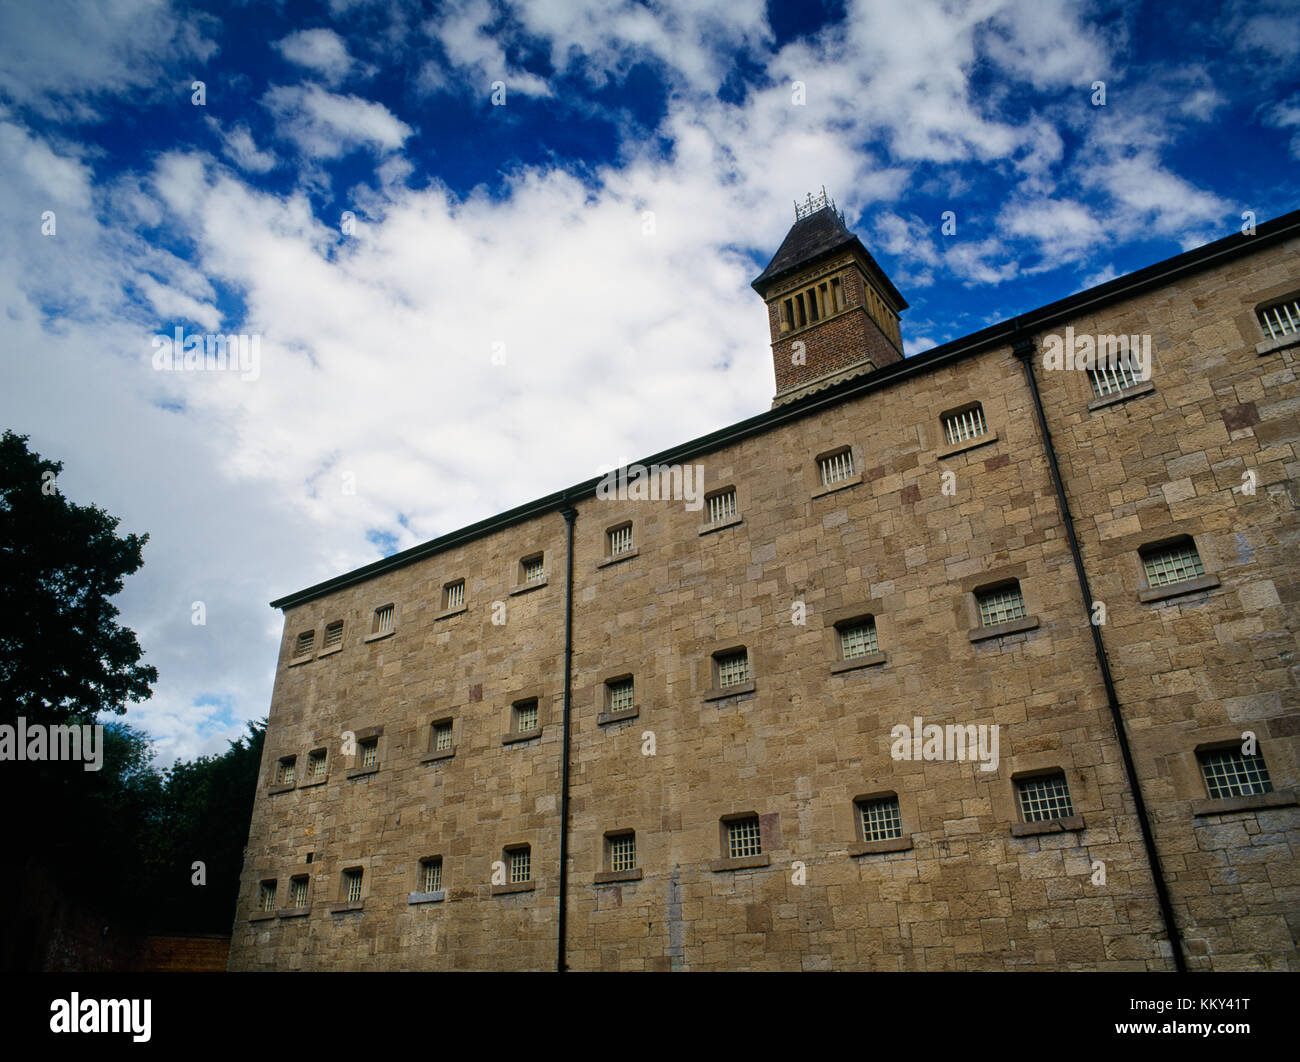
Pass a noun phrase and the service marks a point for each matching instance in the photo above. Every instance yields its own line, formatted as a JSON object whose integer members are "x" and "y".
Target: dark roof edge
{"x": 763, "y": 281}
{"x": 1130, "y": 284}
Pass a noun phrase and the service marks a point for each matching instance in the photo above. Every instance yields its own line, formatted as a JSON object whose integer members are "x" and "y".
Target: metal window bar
{"x": 1001, "y": 606}
{"x": 836, "y": 467}
{"x": 526, "y": 714}
{"x": 316, "y": 765}
{"x": 733, "y": 669}
{"x": 353, "y": 878}
{"x": 621, "y": 695}
{"x": 743, "y": 838}
{"x": 534, "y": 570}
{"x": 266, "y": 899}
{"x": 384, "y": 619}
{"x": 1107, "y": 379}
{"x": 433, "y": 875}
{"x": 333, "y": 635}
{"x": 1045, "y": 798}
{"x": 456, "y": 595}
{"x": 286, "y": 772}
{"x": 1281, "y": 320}
{"x": 1173, "y": 564}
{"x": 521, "y": 865}
{"x": 305, "y": 642}
{"x": 369, "y": 753}
{"x": 1228, "y": 773}
{"x": 442, "y": 737}
{"x": 620, "y": 540}
{"x": 722, "y": 507}
{"x": 859, "y": 639}
{"x": 881, "y": 819}
{"x": 298, "y": 892}
{"x": 622, "y": 852}
{"x": 968, "y": 424}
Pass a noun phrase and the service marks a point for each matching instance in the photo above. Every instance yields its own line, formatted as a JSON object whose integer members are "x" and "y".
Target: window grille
{"x": 383, "y": 620}
{"x": 432, "y": 875}
{"x": 520, "y": 865}
{"x": 622, "y": 852}
{"x": 286, "y": 770}
{"x": 266, "y": 898}
{"x": 1107, "y": 379}
{"x": 858, "y": 639}
{"x": 1281, "y": 320}
{"x": 369, "y": 752}
{"x": 1228, "y": 773}
{"x": 303, "y": 646}
{"x": 456, "y": 595}
{"x": 316, "y": 764}
{"x": 1172, "y": 564}
{"x": 733, "y": 669}
{"x": 352, "y": 880}
{"x": 743, "y": 838}
{"x": 722, "y": 506}
{"x": 1045, "y": 798}
{"x": 298, "y": 892}
{"x": 837, "y": 467}
{"x": 1001, "y": 606}
{"x": 534, "y": 570}
{"x": 967, "y": 424}
{"x": 441, "y": 736}
{"x": 620, "y": 540}
{"x": 526, "y": 716}
{"x": 881, "y": 819}
{"x": 621, "y": 695}
{"x": 333, "y": 635}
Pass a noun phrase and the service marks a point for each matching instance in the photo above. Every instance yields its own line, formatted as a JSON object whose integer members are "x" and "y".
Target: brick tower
{"x": 832, "y": 311}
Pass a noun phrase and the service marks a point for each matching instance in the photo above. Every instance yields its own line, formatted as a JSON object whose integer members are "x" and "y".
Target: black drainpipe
{"x": 1023, "y": 348}
{"x": 570, "y": 514}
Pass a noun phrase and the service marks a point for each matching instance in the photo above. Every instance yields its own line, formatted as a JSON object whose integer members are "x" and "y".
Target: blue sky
{"x": 534, "y": 289}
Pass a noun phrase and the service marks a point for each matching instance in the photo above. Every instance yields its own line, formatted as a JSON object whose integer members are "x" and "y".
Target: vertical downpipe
{"x": 570, "y": 515}
{"x": 1023, "y": 347}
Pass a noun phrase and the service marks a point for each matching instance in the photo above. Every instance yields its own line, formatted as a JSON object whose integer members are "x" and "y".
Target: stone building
{"x": 982, "y": 659}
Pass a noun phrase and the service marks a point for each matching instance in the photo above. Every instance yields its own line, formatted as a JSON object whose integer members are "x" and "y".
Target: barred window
{"x": 622, "y": 852}
{"x": 811, "y": 305}
{"x": 1174, "y": 563}
{"x": 743, "y": 838}
{"x": 1046, "y": 797}
{"x": 534, "y": 569}
{"x": 285, "y": 770}
{"x": 316, "y": 764}
{"x": 1001, "y": 605}
{"x": 620, "y": 540}
{"x": 266, "y": 896}
{"x": 1107, "y": 379}
{"x": 303, "y": 646}
{"x": 333, "y": 635}
{"x": 442, "y": 735}
{"x": 621, "y": 694}
{"x": 1282, "y": 319}
{"x": 880, "y": 818}
{"x": 1230, "y": 773}
{"x": 298, "y": 893}
{"x": 431, "y": 874}
{"x": 383, "y": 622}
{"x": 453, "y": 595}
{"x": 732, "y": 668}
{"x": 858, "y": 638}
{"x": 836, "y": 467}
{"x": 521, "y": 865}
{"x": 352, "y": 885}
{"x": 369, "y": 749}
{"x": 964, "y": 424}
{"x": 722, "y": 506}
{"x": 526, "y": 715}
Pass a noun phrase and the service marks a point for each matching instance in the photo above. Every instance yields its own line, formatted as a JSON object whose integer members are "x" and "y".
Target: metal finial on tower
{"x": 814, "y": 203}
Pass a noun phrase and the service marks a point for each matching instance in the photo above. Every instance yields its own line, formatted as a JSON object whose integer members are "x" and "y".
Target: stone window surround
{"x": 444, "y": 612}
{"x": 947, "y": 449}
{"x": 611, "y": 877}
{"x": 302, "y": 872}
{"x": 1248, "y": 321}
{"x": 766, "y": 839}
{"x": 432, "y": 754}
{"x": 707, "y": 670}
{"x": 364, "y": 734}
{"x": 296, "y": 660}
{"x": 731, "y": 521}
{"x": 519, "y": 886}
{"x": 1189, "y": 779}
{"x": 1146, "y": 593}
{"x": 601, "y": 698}
{"x": 516, "y": 580}
{"x": 417, "y": 895}
{"x": 307, "y": 780}
{"x": 374, "y": 635}
{"x": 1006, "y": 799}
{"x": 843, "y": 617}
{"x": 257, "y": 914}
{"x": 283, "y": 787}
{"x": 813, "y": 473}
{"x": 607, "y": 558}
{"x": 839, "y": 271}
{"x": 529, "y": 693}
{"x": 906, "y": 814}
{"x": 968, "y": 610}
{"x": 336, "y": 648}
{"x": 343, "y": 905}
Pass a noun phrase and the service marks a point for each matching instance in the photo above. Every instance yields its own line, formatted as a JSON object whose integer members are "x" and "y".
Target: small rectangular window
{"x": 383, "y": 622}
{"x": 316, "y": 764}
{"x": 1174, "y": 563}
{"x": 1001, "y": 605}
{"x": 431, "y": 874}
{"x": 453, "y": 595}
{"x": 836, "y": 467}
{"x": 622, "y": 852}
{"x": 1046, "y": 797}
{"x": 526, "y": 716}
{"x": 442, "y": 735}
{"x": 620, "y": 540}
{"x": 1282, "y": 319}
{"x": 285, "y": 770}
{"x": 304, "y": 644}
{"x": 880, "y": 819}
{"x": 744, "y": 838}
{"x": 333, "y": 635}
{"x": 534, "y": 570}
{"x": 621, "y": 694}
{"x": 965, "y": 424}
{"x": 722, "y": 506}
{"x": 521, "y": 866}
{"x": 369, "y": 750}
{"x": 266, "y": 896}
{"x": 858, "y": 638}
{"x": 1229, "y": 773}
{"x": 1107, "y": 379}
{"x": 732, "y": 668}
{"x": 352, "y": 885}
{"x": 298, "y": 893}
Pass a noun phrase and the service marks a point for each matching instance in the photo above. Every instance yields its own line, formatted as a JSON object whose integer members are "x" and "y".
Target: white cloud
{"x": 320, "y": 50}
{"x": 327, "y": 125}
{"x": 237, "y": 144}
